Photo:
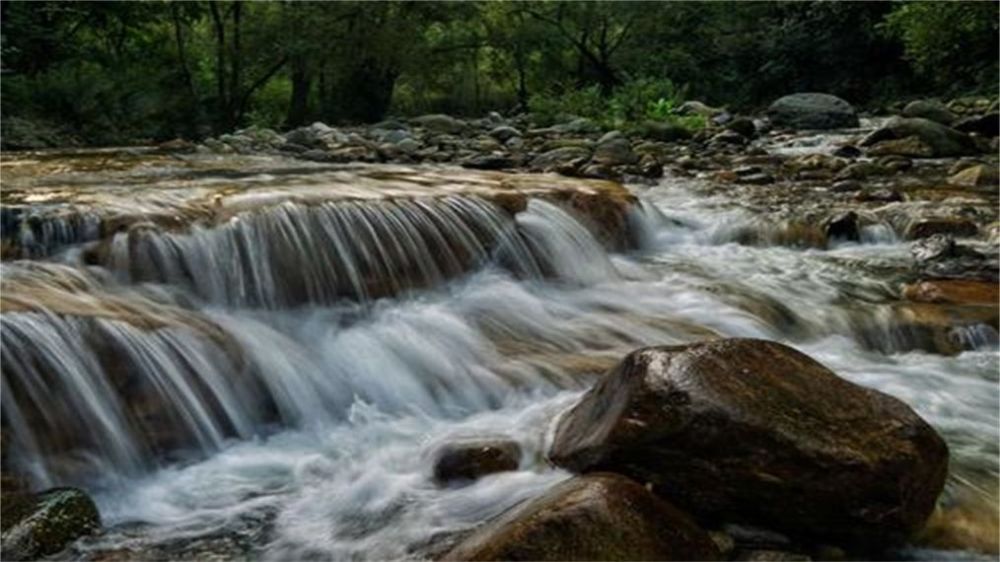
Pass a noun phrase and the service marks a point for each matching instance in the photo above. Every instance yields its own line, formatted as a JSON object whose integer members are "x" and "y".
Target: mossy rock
{"x": 44, "y": 524}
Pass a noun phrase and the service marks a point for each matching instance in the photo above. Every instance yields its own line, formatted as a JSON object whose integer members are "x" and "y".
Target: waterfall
{"x": 181, "y": 341}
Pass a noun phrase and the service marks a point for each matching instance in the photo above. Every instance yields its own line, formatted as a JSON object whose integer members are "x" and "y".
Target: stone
{"x": 317, "y": 135}
{"x": 615, "y": 152}
{"x": 847, "y": 151}
{"x": 977, "y": 175}
{"x": 934, "y": 247}
{"x": 46, "y": 523}
{"x": 986, "y": 125}
{"x": 958, "y": 227}
{"x": 661, "y": 131}
{"x": 743, "y": 126}
{"x": 953, "y": 291}
{"x": 592, "y": 517}
{"x": 894, "y": 163}
{"x": 843, "y": 226}
{"x": 930, "y": 109}
{"x": 560, "y": 157}
{"x": 846, "y": 186}
{"x": 754, "y": 431}
{"x": 729, "y": 137}
{"x": 941, "y": 139}
{"x": 907, "y": 146}
{"x": 439, "y": 123}
{"x": 489, "y": 162}
{"x": 694, "y": 107}
{"x": 883, "y": 195}
{"x": 577, "y": 126}
{"x": 468, "y": 460}
{"x": 650, "y": 167}
{"x": 756, "y": 179}
{"x": 860, "y": 171}
{"x": 504, "y": 133}
{"x": 812, "y": 111}
{"x": 408, "y": 145}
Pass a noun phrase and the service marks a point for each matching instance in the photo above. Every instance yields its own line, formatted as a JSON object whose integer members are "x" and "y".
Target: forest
{"x": 99, "y": 73}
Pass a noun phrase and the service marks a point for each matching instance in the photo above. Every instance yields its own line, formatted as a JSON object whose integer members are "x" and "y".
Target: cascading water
{"x": 272, "y": 384}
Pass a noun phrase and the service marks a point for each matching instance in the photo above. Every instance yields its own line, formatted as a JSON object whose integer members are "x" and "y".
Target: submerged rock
{"x": 469, "y": 460}
{"x": 593, "y": 517}
{"x": 754, "y": 431}
{"x": 812, "y": 111}
{"x": 44, "y": 524}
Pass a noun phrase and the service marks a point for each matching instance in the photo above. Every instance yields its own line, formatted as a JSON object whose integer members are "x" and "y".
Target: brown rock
{"x": 908, "y": 146}
{"x": 593, "y": 517}
{"x": 975, "y": 176}
{"x": 469, "y": 460}
{"x": 950, "y": 226}
{"x": 754, "y": 431}
{"x": 953, "y": 291}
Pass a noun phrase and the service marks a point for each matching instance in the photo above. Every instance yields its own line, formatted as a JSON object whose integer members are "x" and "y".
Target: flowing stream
{"x": 289, "y": 372}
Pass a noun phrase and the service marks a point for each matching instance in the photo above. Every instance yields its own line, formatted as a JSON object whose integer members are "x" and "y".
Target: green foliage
{"x": 950, "y": 43}
{"x": 629, "y": 104}
{"x": 112, "y": 72}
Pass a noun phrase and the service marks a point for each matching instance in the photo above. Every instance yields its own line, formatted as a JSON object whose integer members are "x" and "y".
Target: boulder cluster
{"x": 728, "y": 449}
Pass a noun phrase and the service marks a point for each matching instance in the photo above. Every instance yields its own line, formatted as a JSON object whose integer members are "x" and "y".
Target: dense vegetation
{"x": 106, "y": 72}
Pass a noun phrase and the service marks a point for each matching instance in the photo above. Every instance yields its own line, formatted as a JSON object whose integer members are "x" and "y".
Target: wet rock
{"x": 976, "y": 176}
{"x": 754, "y": 431}
{"x": 469, "y": 460}
{"x": 908, "y": 146}
{"x": 894, "y": 163}
{"x": 317, "y": 135}
{"x": 934, "y": 247}
{"x": 180, "y": 146}
{"x": 742, "y": 126}
{"x": 46, "y": 523}
{"x": 986, "y": 125}
{"x": 593, "y": 517}
{"x": 560, "y": 158}
{"x": 843, "y": 226}
{"x": 930, "y": 109}
{"x": 812, "y": 111}
{"x": 953, "y": 291}
{"x": 489, "y": 162}
{"x": 957, "y": 227}
{"x": 503, "y": 133}
{"x": 729, "y": 137}
{"x": 941, "y": 139}
{"x": 860, "y": 171}
{"x": 762, "y": 178}
{"x": 846, "y": 186}
{"x": 847, "y": 151}
{"x": 577, "y": 126}
{"x": 664, "y": 132}
{"x": 598, "y": 171}
{"x": 615, "y": 151}
{"x": 879, "y": 196}
{"x": 650, "y": 167}
{"x": 440, "y": 123}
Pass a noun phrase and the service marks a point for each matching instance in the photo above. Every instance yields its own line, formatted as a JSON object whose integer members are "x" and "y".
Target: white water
{"x": 365, "y": 390}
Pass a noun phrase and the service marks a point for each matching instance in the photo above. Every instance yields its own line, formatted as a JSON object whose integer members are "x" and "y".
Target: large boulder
{"x": 941, "y": 139}
{"x": 44, "y": 524}
{"x": 986, "y": 125}
{"x": 812, "y": 111}
{"x": 930, "y": 109}
{"x": 753, "y": 431}
{"x": 593, "y": 517}
{"x": 615, "y": 152}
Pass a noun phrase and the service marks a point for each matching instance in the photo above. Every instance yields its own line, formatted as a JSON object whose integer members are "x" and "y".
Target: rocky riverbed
{"x": 417, "y": 339}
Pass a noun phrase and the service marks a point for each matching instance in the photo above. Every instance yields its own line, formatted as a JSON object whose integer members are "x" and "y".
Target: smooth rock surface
{"x": 754, "y": 431}
{"x": 812, "y": 111}
{"x": 593, "y": 517}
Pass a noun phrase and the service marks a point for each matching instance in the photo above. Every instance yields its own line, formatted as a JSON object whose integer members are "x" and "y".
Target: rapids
{"x": 289, "y": 364}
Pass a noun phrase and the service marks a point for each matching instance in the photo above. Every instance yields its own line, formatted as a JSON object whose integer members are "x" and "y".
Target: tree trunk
{"x": 221, "y": 101}
{"x": 298, "y": 105}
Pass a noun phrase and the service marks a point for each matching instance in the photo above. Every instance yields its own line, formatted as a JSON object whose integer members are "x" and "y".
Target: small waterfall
{"x": 293, "y": 254}
{"x": 109, "y": 371}
{"x": 37, "y": 232}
